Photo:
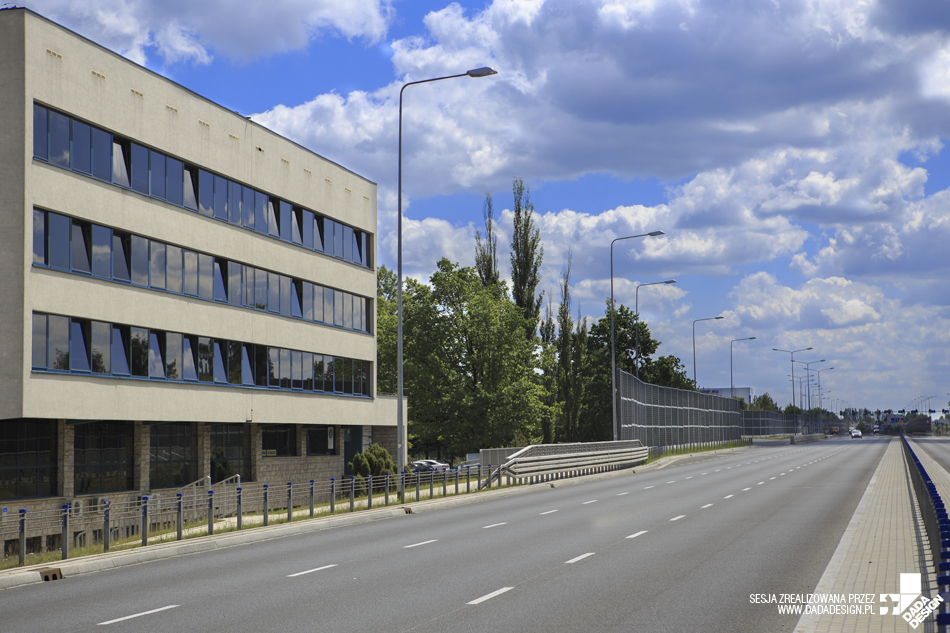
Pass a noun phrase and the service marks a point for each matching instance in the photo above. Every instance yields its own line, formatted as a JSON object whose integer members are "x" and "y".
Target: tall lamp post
{"x": 716, "y": 318}
{"x": 792, "y": 352}
{"x": 808, "y": 374}
{"x": 613, "y": 361}
{"x": 732, "y": 386}
{"x": 818, "y": 371}
{"x": 400, "y": 422}
{"x": 637, "y": 308}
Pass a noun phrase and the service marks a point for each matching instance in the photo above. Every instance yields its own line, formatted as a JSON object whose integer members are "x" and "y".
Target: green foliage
{"x": 526, "y": 256}
{"x": 486, "y": 253}
{"x": 375, "y": 461}
{"x": 386, "y": 287}
{"x": 764, "y": 402}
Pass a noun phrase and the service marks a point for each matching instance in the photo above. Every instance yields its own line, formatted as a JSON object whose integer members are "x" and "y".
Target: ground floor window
{"x": 174, "y": 455}
{"x": 227, "y": 452}
{"x": 279, "y": 440}
{"x": 27, "y": 458}
{"x": 320, "y": 440}
{"x": 102, "y": 458}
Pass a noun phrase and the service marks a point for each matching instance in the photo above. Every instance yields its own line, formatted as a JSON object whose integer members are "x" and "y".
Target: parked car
{"x": 855, "y": 434}
{"x": 425, "y": 465}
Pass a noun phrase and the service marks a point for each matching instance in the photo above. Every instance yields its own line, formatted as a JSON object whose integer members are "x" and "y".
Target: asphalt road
{"x": 677, "y": 549}
{"x": 937, "y": 447}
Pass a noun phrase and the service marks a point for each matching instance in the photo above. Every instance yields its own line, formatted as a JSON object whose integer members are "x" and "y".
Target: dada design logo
{"x": 913, "y": 607}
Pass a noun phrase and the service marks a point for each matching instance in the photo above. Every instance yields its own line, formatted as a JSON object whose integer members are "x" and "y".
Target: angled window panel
{"x": 247, "y": 365}
{"x": 101, "y": 251}
{"x": 39, "y": 237}
{"x": 58, "y": 346}
{"x": 205, "y": 192}
{"x": 317, "y": 233}
{"x": 59, "y": 139}
{"x": 173, "y": 269}
{"x": 79, "y": 345}
{"x": 173, "y": 356}
{"x": 221, "y": 198}
{"x": 220, "y": 361}
{"x": 190, "y": 188}
{"x": 296, "y": 225}
{"x": 40, "y": 132}
{"x": 101, "y": 347}
{"x": 205, "y": 360}
{"x": 357, "y": 248}
{"x": 190, "y": 358}
{"x": 81, "y": 154}
{"x": 235, "y": 287}
{"x": 307, "y": 300}
{"x": 235, "y": 364}
{"x": 156, "y": 355}
{"x": 260, "y": 213}
{"x": 175, "y": 181}
{"x": 120, "y": 350}
{"x": 121, "y": 256}
{"x": 140, "y": 263}
{"x": 139, "y": 348}
{"x": 261, "y": 366}
{"x": 81, "y": 247}
{"x": 121, "y": 162}
{"x": 286, "y": 297}
{"x": 273, "y": 223}
{"x": 248, "y": 199}
{"x": 101, "y": 155}
{"x": 140, "y": 175}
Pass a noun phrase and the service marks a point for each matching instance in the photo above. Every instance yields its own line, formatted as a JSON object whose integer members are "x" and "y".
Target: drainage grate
{"x": 50, "y": 573}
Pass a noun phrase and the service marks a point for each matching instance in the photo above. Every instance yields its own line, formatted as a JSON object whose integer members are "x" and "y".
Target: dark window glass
{"x": 308, "y": 229}
{"x": 205, "y": 276}
{"x": 139, "y": 345}
{"x": 190, "y": 188}
{"x": 338, "y": 241}
{"x": 227, "y": 452}
{"x": 318, "y": 370}
{"x": 348, "y": 310}
{"x": 39, "y": 340}
{"x": 40, "y": 132}
{"x": 273, "y": 226}
{"x": 81, "y": 154}
{"x": 273, "y": 292}
{"x": 318, "y": 233}
{"x": 157, "y": 260}
{"x": 357, "y": 377}
{"x": 59, "y": 139}
{"x": 278, "y": 441}
{"x": 39, "y": 237}
{"x": 249, "y": 286}
{"x": 139, "y": 169}
{"x": 220, "y": 361}
{"x": 318, "y": 441}
{"x": 139, "y": 261}
{"x": 337, "y": 307}
{"x": 235, "y": 294}
{"x": 347, "y": 243}
{"x": 339, "y": 373}
{"x": 307, "y": 300}
{"x": 329, "y": 374}
{"x": 157, "y": 173}
{"x": 328, "y": 243}
{"x": 234, "y": 202}
{"x": 260, "y": 289}
{"x": 79, "y": 345}
{"x": 347, "y": 375}
{"x": 296, "y": 217}
{"x": 121, "y": 163}
{"x": 235, "y": 364}
{"x": 205, "y": 360}
{"x": 365, "y": 377}
{"x": 367, "y": 255}
{"x": 173, "y": 455}
{"x": 260, "y": 212}
{"x": 58, "y": 347}
{"x": 82, "y": 247}
{"x": 27, "y": 459}
{"x": 285, "y": 368}
{"x": 101, "y": 347}
{"x": 318, "y": 303}
{"x": 58, "y": 230}
{"x": 247, "y": 365}
{"x": 285, "y": 221}
{"x": 101, "y": 251}
{"x": 221, "y": 198}
{"x": 190, "y": 270}
{"x": 295, "y": 298}
{"x": 328, "y": 305}
{"x": 261, "y": 366}
{"x": 101, "y": 155}
{"x": 296, "y": 370}
{"x": 273, "y": 366}
{"x": 220, "y": 280}
{"x": 307, "y": 365}
{"x": 173, "y": 356}
{"x": 121, "y": 256}
{"x": 173, "y": 270}
{"x": 357, "y": 313}
{"x": 247, "y": 207}
{"x": 364, "y": 313}
{"x": 190, "y": 358}
{"x": 156, "y": 354}
{"x": 102, "y": 457}
{"x": 120, "y": 350}
{"x": 175, "y": 180}
{"x": 286, "y": 297}
{"x": 206, "y": 192}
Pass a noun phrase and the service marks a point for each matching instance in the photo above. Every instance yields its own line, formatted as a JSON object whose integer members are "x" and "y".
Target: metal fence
{"x": 663, "y": 416}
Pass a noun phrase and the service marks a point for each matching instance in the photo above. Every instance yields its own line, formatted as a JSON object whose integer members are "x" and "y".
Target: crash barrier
{"x": 660, "y": 416}
{"x": 937, "y": 526}
{"x": 805, "y": 438}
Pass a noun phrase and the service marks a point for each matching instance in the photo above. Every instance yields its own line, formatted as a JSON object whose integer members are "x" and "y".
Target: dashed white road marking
{"x": 648, "y": 487}
{"x": 678, "y": 518}
{"x": 745, "y": 489}
{"x": 708, "y": 505}
{"x": 138, "y": 615}
{"x": 581, "y": 557}
{"x": 640, "y": 533}
{"x": 591, "y": 501}
{"x": 620, "y": 494}
{"x": 548, "y": 512}
{"x": 760, "y": 483}
{"x": 671, "y": 482}
{"x": 728, "y": 496}
{"x": 485, "y": 527}
{"x": 310, "y": 571}
{"x": 418, "y": 544}
{"x": 489, "y": 596}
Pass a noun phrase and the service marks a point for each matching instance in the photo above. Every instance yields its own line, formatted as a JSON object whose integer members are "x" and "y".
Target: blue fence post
{"x": 22, "y": 537}
{"x": 178, "y": 518}
{"x": 240, "y": 509}
{"x": 468, "y": 479}
{"x": 290, "y": 502}
{"x": 417, "y": 485}
{"x": 65, "y": 536}
{"x": 332, "y": 494}
{"x": 211, "y": 513}
{"x": 311, "y": 498}
{"x": 265, "y": 505}
{"x": 106, "y": 526}
{"x": 369, "y": 492}
{"x": 387, "y": 489}
{"x": 352, "y": 486}
{"x": 144, "y": 521}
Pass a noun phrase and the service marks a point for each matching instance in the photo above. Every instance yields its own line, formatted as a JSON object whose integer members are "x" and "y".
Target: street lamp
{"x": 732, "y": 387}
{"x": 637, "y": 308}
{"x": 808, "y": 374}
{"x": 792, "y": 352}
{"x": 613, "y": 362}
{"x": 696, "y": 384}
{"x": 400, "y": 423}
{"x": 818, "y": 371}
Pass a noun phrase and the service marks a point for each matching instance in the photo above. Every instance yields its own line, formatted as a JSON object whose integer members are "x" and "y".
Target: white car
{"x": 855, "y": 434}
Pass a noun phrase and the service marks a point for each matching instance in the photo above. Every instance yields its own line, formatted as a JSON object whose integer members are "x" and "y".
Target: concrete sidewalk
{"x": 879, "y": 544}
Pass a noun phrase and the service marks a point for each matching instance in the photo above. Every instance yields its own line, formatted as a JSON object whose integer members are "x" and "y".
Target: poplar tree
{"x": 526, "y": 256}
{"x": 486, "y": 253}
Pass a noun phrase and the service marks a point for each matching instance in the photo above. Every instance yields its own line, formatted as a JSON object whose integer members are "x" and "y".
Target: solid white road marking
{"x": 485, "y": 527}
{"x": 708, "y": 505}
{"x": 310, "y": 571}
{"x": 422, "y": 543}
{"x": 640, "y": 533}
{"x": 138, "y": 615}
{"x": 581, "y": 557}
{"x": 548, "y": 512}
{"x": 489, "y": 596}
{"x": 678, "y": 518}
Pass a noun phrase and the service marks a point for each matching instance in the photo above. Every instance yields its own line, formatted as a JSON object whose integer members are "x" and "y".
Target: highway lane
{"x": 937, "y": 447}
{"x": 707, "y": 532}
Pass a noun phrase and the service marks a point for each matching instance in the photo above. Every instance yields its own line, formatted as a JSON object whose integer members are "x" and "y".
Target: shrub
{"x": 375, "y": 461}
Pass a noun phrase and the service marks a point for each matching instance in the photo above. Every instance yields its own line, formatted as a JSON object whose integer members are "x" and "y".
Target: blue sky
{"x": 793, "y": 153}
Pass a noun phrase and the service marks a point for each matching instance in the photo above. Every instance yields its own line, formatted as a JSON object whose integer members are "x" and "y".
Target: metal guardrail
{"x": 550, "y": 458}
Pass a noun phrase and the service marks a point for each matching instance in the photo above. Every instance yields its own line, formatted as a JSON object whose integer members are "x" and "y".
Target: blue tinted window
{"x": 338, "y": 241}
{"x": 347, "y": 310}
{"x": 347, "y": 243}
{"x": 158, "y": 264}
{"x": 295, "y": 298}
{"x": 157, "y": 174}
{"x": 307, "y": 301}
{"x": 190, "y": 358}
{"x": 260, "y": 289}
{"x": 339, "y": 373}
{"x": 247, "y": 366}
{"x": 175, "y": 180}
{"x": 328, "y": 305}
{"x": 205, "y": 192}
{"x": 357, "y": 247}
{"x": 234, "y": 202}
{"x": 285, "y": 295}
{"x": 120, "y": 350}
{"x": 79, "y": 345}
{"x": 82, "y": 247}
{"x": 121, "y": 257}
{"x": 190, "y": 266}
{"x": 285, "y": 368}
{"x": 235, "y": 295}
{"x": 235, "y": 364}
{"x": 101, "y": 251}
{"x": 139, "y": 351}
{"x": 248, "y": 206}
{"x": 156, "y": 359}
{"x": 318, "y": 370}
{"x": 318, "y": 303}
{"x": 273, "y": 226}
{"x": 273, "y": 292}
{"x": 261, "y": 364}
{"x": 347, "y": 375}
{"x": 220, "y": 280}
{"x": 220, "y": 198}
{"x": 139, "y": 169}
{"x": 260, "y": 212}
{"x": 101, "y": 155}
{"x": 39, "y": 237}
{"x": 296, "y": 370}
{"x": 139, "y": 261}
{"x": 81, "y": 155}
{"x": 58, "y": 251}
{"x": 307, "y": 225}
{"x": 190, "y": 188}
{"x": 337, "y": 307}
{"x": 273, "y": 367}
{"x": 307, "y": 361}
{"x": 328, "y": 243}
{"x": 39, "y": 341}
{"x": 173, "y": 269}
{"x": 173, "y": 355}
{"x": 101, "y": 347}
{"x": 249, "y": 286}
{"x": 121, "y": 163}
{"x": 296, "y": 217}
{"x": 205, "y": 360}
{"x": 58, "y": 346}
{"x": 40, "y": 133}
{"x": 318, "y": 233}
{"x": 205, "y": 276}
{"x": 58, "y": 139}
{"x": 285, "y": 221}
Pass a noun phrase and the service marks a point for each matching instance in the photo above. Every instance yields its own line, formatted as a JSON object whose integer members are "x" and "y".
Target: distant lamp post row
{"x": 716, "y": 318}
{"x": 792, "y": 352}
{"x": 732, "y": 386}
{"x": 637, "y": 308}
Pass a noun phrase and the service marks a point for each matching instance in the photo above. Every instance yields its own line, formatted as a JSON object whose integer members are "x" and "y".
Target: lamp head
{"x": 718, "y": 317}
{"x": 655, "y": 233}
{"x": 484, "y": 71}
{"x": 670, "y": 281}
{"x": 751, "y": 338}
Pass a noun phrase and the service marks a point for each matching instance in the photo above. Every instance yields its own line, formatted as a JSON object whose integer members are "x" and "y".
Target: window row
{"x": 66, "y": 344}
{"x": 27, "y": 458}
{"x": 72, "y": 144}
{"x": 81, "y": 247}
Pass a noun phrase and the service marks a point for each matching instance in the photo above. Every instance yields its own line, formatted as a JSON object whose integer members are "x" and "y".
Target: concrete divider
{"x": 802, "y": 438}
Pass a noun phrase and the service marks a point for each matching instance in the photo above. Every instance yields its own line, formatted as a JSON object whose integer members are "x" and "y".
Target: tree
{"x": 486, "y": 253}
{"x": 386, "y": 370}
{"x": 573, "y": 368}
{"x": 764, "y": 402}
{"x": 548, "y": 365}
{"x": 526, "y": 256}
